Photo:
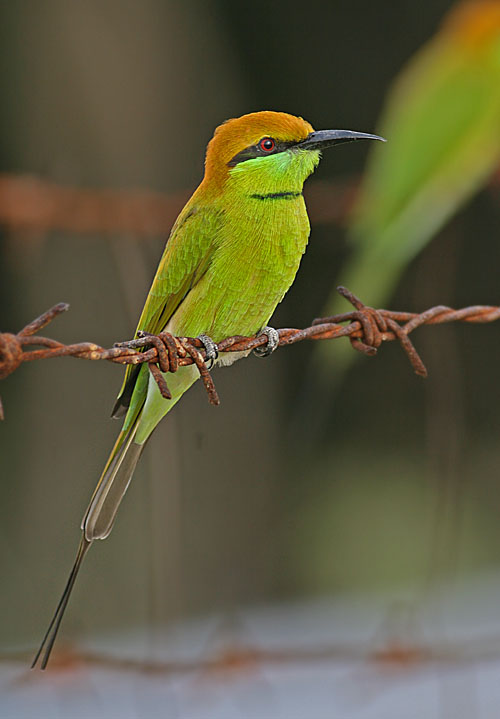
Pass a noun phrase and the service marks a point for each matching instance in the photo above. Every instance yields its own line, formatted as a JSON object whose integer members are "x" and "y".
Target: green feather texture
{"x": 442, "y": 123}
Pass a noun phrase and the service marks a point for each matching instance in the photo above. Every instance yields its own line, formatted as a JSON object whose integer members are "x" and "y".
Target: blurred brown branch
{"x": 367, "y": 328}
{"x": 28, "y": 203}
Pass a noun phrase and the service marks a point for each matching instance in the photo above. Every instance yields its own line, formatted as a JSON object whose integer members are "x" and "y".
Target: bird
{"x": 231, "y": 256}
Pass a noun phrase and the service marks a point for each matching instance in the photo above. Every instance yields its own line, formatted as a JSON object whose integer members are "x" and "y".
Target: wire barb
{"x": 366, "y": 328}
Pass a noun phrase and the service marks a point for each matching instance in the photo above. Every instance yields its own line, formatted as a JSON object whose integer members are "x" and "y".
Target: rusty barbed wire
{"x": 367, "y": 328}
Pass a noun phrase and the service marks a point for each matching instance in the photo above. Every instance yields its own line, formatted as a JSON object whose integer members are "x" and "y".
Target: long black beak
{"x": 327, "y": 138}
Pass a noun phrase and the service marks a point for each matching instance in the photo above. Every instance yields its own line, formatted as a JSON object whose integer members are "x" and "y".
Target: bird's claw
{"x": 211, "y": 350}
{"x": 273, "y": 339}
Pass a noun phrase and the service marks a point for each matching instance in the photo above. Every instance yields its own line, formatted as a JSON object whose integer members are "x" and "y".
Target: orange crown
{"x": 240, "y": 132}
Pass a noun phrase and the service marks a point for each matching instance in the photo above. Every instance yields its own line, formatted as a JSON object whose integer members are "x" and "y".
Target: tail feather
{"x": 51, "y": 633}
{"x": 101, "y": 512}
{"x": 144, "y": 413}
{"x": 97, "y": 523}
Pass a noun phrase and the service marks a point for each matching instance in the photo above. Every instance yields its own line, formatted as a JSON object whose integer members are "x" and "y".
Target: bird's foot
{"x": 211, "y": 350}
{"x": 273, "y": 339}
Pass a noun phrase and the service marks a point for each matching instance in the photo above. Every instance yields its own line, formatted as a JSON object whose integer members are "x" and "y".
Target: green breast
{"x": 259, "y": 248}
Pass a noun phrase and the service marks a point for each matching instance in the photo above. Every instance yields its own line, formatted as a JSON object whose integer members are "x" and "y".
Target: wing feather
{"x": 185, "y": 260}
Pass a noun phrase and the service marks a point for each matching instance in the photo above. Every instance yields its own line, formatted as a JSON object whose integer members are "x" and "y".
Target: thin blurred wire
{"x": 29, "y": 203}
{"x": 242, "y": 657}
{"x": 32, "y": 204}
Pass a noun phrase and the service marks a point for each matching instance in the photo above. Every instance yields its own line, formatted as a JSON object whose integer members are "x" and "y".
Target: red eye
{"x": 267, "y": 144}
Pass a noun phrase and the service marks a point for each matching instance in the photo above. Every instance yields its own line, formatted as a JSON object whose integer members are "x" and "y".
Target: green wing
{"x": 187, "y": 256}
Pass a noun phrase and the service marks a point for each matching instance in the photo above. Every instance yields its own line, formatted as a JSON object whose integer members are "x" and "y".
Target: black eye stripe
{"x": 253, "y": 151}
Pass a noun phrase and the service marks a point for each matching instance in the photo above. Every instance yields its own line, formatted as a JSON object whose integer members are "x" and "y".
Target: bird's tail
{"x": 143, "y": 415}
{"x": 97, "y": 522}
{"x": 115, "y": 479}
{"x": 51, "y": 633}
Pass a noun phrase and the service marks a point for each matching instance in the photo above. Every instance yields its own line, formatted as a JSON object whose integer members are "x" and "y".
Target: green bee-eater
{"x": 231, "y": 257}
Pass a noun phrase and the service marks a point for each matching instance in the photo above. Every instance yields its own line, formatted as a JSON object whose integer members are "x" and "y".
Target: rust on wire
{"x": 35, "y": 204}
{"x": 366, "y": 328}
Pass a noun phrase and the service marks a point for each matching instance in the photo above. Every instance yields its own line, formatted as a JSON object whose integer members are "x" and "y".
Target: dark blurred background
{"x": 242, "y": 504}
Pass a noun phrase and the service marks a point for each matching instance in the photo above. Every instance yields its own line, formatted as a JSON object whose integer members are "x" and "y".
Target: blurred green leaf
{"x": 442, "y": 123}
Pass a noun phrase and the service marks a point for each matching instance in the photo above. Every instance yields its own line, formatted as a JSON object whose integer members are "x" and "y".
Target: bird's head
{"x": 271, "y": 148}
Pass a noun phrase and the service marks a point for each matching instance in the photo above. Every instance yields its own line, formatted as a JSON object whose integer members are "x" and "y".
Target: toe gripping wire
{"x": 171, "y": 350}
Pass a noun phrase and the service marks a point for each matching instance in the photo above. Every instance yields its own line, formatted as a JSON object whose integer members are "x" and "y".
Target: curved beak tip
{"x": 348, "y": 135}
{"x": 321, "y": 139}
